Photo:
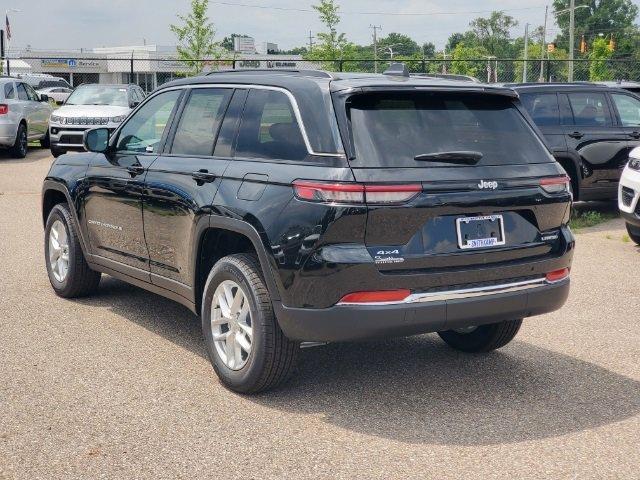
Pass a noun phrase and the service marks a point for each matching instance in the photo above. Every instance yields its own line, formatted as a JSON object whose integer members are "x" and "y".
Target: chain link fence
{"x": 149, "y": 73}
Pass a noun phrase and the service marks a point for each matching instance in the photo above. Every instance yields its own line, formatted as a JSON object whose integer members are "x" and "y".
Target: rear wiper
{"x": 455, "y": 156}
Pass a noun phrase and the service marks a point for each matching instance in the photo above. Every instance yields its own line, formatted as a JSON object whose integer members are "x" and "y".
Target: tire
{"x": 45, "y": 143}
{"x": 21, "y": 145}
{"x": 272, "y": 356}
{"x": 56, "y": 152}
{"x": 79, "y": 280}
{"x": 634, "y": 233}
{"x": 484, "y": 338}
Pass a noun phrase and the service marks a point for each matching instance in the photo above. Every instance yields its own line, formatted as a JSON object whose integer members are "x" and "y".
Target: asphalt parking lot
{"x": 119, "y": 386}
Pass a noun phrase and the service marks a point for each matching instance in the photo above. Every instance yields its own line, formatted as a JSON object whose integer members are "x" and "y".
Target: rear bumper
{"x": 425, "y": 313}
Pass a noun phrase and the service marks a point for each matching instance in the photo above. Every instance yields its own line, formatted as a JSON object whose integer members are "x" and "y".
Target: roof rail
{"x": 277, "y": 71}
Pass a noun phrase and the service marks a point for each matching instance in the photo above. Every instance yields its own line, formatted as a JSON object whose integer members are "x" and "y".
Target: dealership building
{"x": 148, "y": 65}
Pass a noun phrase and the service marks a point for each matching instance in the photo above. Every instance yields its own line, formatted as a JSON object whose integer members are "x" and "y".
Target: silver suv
{"x": 24, "y": 116}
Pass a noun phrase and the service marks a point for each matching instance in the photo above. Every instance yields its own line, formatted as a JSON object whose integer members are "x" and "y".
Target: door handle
{"x": 203, "y": 176}
{"x": 634, "y": 134}
{"x": 135, "y": 170}
{"x": 576, "y": 135}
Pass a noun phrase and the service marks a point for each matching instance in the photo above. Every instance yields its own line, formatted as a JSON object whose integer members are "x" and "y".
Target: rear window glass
{"x": 391, "y": 129}
{"x": 543, "y": 108}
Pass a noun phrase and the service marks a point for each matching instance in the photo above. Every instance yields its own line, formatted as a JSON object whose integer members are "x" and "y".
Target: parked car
{"x": 90, "y": 105}
{"x": 315, "y": 207}
{"x": 590, "y": 128}
{"x": 24, "y": 116}
{"x": 58, "y": 94}
{"x": 633, "y": 87}
{"x": 629, "y": 195}
{"x": 41, "y": 80}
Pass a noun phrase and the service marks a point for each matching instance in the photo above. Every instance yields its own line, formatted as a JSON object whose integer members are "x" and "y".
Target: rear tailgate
{"x": 465, "y": 215}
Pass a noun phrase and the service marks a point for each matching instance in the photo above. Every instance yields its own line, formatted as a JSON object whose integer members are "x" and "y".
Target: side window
{"x": 32, "y": 93}
{"x": 590, "y": 109}
{"x": 22, "y": 92}
{"x": 9, "y": 90}
{"x": 269, "y": 128}
{"x": 200, "y": 120}
{"x": 628, "y": 108}
{"x": 143, "y": 131}
{"x": 543, "y": 108}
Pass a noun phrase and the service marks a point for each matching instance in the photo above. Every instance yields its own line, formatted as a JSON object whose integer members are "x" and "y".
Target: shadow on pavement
{"x": 417, "y": 390}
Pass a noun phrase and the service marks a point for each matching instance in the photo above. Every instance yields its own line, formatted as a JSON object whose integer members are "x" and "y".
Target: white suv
{"x": 91, "y": 105}
{"x": 629, "y": 195}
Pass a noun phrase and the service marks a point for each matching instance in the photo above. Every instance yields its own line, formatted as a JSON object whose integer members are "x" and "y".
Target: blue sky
{"x": 92, "y": 23}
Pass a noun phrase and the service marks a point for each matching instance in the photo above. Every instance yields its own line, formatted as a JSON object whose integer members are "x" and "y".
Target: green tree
{"x": 493, "y": 33}
{"x": 330, "y": 43}
{"x": 598, "y": 66}
{"x": 196, "y": 36}
{"x": 428, "y": 50}
{"x": 402, "y": 45}
{"x": 602, "y": 16}
{"x": 469, "y": 60}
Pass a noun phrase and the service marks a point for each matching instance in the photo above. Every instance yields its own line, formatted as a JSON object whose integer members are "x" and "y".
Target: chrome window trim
{"x": 292, "y": 100}
{"x": 465, "y": 292}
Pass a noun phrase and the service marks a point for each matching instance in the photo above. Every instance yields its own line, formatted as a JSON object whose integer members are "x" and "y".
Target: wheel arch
{"x": 54, "y": 193}
{"x": 220, "y": 237}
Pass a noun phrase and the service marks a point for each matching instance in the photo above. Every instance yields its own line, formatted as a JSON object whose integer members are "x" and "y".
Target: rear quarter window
{"x": 391, "y": 129}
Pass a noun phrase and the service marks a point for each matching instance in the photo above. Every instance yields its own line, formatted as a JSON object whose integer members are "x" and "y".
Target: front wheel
{"x": 245, "y": 344}
{"x": 484, "y": 338}
{"x": 45, "y": 141}
{"x": 634, "y": 233}
{"x": 69, "y": 273}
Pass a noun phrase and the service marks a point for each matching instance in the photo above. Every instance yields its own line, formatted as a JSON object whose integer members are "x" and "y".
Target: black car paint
{"x": 594, "y": 156}
{"x": 311, "y": 254}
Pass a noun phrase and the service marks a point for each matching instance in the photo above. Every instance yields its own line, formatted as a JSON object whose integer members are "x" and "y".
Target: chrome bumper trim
{"x": 466, "y": 292}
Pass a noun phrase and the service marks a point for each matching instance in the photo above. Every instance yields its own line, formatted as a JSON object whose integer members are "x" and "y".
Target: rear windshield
{"x": 391, "y": 129}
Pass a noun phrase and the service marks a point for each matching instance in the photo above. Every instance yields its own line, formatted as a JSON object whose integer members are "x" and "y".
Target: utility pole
{"x": 526, "y": 52}
{"x": 311, "y": 43}
{"x": 544, "y": 44}
{"x": 572, "y": 26}
{"x": 375, "y": 46}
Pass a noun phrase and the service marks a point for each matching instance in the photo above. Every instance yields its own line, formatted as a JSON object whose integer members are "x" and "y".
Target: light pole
{"x": 526, "y": 53}
{"x": 572, "y": 26}
{"x": 375, "y": 46}
{"x": 390, "y": 49}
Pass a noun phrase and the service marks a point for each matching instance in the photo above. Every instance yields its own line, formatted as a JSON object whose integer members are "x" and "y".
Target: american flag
{"x": 8, "y": 27}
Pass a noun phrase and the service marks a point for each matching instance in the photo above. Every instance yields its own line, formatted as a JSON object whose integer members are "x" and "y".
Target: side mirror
{"x": 96, "y": 140}
{"x": 44, "y": 98}
{"x": 135, "y": 103}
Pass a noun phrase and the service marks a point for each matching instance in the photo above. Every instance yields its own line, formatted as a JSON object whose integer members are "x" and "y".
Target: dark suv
{"x": 590, "y": 129}
{"x": 302, "y": 206}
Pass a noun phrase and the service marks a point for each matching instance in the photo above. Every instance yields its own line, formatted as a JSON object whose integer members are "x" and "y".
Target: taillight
{"x": 4, "y": 109}
{"x": 380, "y": 296}
{"x": 557, "y": 275}
{"x": 555, "y": 184}
{"x": 327, "y": 192}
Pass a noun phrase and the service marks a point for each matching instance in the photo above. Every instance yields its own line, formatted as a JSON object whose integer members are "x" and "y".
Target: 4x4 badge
{"x": 484, "y": 184}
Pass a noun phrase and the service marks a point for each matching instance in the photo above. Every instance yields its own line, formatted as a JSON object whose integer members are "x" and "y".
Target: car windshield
{"x": 99, "y": 95}
{"x": 52, "y": 83}
{"x": 410, "y": 130}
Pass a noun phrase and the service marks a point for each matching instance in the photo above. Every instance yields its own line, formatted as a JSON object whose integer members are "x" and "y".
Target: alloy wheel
{"x": 231, "y": 324}
{"x": 59, "y": 251}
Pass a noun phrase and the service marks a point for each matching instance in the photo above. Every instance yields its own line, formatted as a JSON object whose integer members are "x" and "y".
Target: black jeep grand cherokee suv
{"x": 298, "y": 206}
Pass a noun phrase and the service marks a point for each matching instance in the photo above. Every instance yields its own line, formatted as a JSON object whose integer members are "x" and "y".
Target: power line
{"x": 292, "y": 9}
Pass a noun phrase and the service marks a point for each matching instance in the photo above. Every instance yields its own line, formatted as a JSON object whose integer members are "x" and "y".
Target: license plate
{"x": 480, "y": 232}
